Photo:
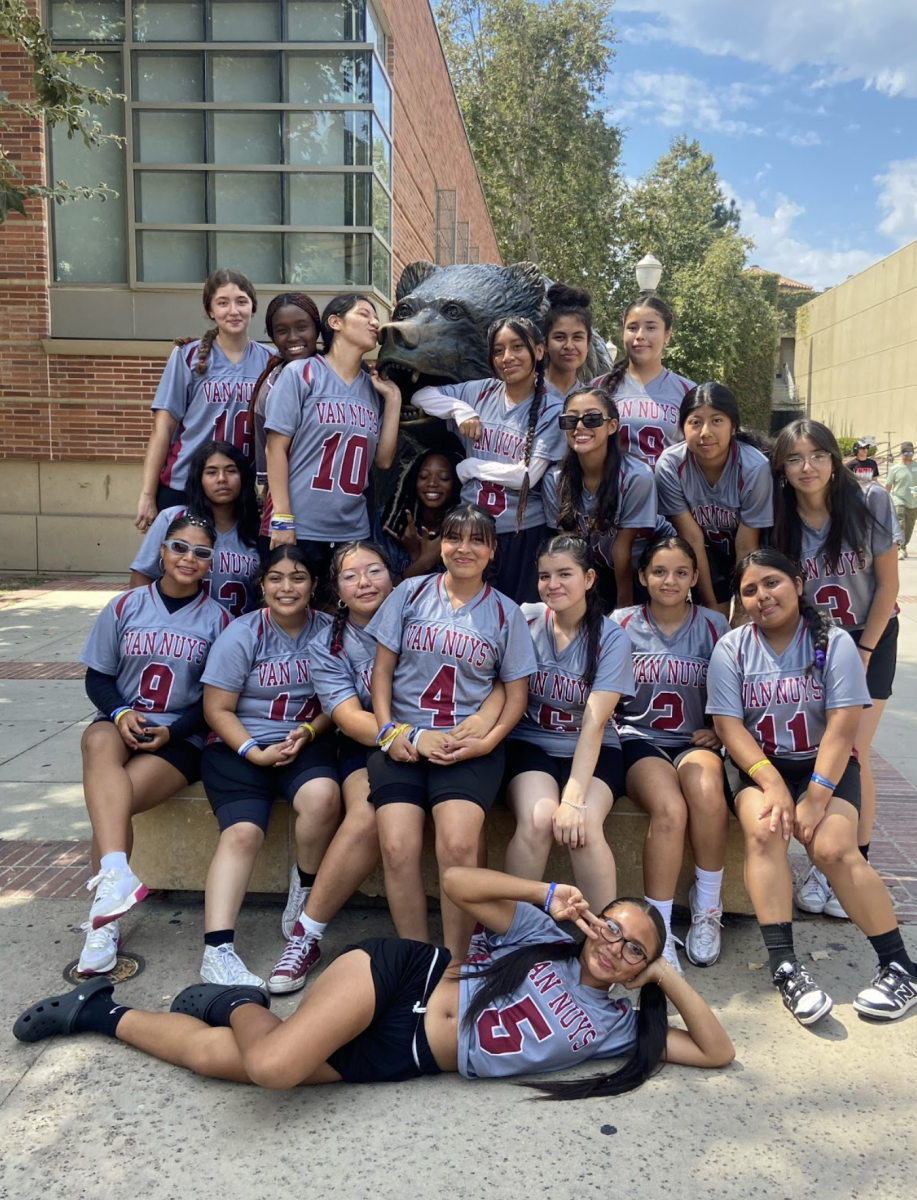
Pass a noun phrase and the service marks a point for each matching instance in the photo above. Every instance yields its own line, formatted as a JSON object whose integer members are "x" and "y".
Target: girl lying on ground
{"x": 529, "y": 1000}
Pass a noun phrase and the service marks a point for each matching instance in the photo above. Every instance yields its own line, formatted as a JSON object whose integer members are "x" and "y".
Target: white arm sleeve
{"x": 510, "y": 474}
{"x": 438, "y": 404}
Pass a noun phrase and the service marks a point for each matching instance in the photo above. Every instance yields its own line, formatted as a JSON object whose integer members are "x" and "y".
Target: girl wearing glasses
{"x": 715, "y": 487}
{"x": 600, "y": 493}
{"x": 672, "y": 759}
{"x": 389, "y": 1010}
{"x": 786, "y": 693}
{"x": 145, "y": 656}
{"x": 221, "y": 491}
{"x": 564, "y": 767}
{"x": 846, "y": 539}
{"x": 260, "y": 701}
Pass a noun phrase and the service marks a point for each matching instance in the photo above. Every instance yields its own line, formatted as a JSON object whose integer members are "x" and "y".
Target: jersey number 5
{"x": 500, "y": 1029}
{"x": 351, "y": 471}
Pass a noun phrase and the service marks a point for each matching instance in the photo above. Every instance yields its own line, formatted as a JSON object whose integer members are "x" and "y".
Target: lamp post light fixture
{"x": 649, "y": 272}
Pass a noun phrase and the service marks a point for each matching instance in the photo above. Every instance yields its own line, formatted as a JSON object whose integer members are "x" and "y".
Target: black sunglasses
{"x": 590, "y": 420}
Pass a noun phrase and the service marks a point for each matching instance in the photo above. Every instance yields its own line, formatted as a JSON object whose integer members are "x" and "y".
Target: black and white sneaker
{"x": 890, "y": 995}
{"x": 805, "y": 1000}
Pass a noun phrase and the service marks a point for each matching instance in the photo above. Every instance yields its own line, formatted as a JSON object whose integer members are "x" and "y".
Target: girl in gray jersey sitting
{"x": 529, "y": 999}
{"x": 786, "y": 693}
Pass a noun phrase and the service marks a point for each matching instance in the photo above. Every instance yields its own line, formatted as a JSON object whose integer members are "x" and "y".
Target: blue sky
{"x": 809, "y": 108}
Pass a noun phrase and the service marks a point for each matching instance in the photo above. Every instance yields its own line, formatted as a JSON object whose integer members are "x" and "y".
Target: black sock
{"x": 889, "y": 948}
{"x": 219, "y": 937}
{"x": 864, "y": 850}
{"x": 779, "y": 942}
{"x": 100, "y": 1014}
{"x": 305, "y": 879}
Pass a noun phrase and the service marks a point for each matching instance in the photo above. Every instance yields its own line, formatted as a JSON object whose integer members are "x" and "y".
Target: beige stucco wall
{"x": 856, "y": 352}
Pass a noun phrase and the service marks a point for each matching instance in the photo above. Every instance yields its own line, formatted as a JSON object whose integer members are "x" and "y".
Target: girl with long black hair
{"x": 567, "y": 331}
{"x": 389, "y": 1010}
{"x": 411, "y": 524}
{"x": 787, "y": 693}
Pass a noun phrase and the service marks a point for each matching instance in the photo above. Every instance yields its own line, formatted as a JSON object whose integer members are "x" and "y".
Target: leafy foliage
{"x": 58, "y": 100}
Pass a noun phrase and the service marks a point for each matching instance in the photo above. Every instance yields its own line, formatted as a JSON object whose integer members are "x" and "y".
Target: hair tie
{"x": 820, "y": 659}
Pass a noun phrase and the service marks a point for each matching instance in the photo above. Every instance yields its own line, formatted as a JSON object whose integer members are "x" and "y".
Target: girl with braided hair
{"x": 204, "y": 394}
{"x": 787, "y": 693}
{"x": 564, "y": 765}
{"x": 508, "y": 427}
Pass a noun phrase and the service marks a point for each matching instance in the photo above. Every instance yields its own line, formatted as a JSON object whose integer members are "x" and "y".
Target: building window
{"x": 258, "y": 137}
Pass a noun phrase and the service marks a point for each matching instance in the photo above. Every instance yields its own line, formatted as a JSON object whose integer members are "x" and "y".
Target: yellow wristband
{"x": 762, "y": 762}
{"x": 122, "y": 713}
{"x": 310, "y": 727}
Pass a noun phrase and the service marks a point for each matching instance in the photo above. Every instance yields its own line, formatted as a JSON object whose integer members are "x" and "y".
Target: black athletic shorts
{"x": 423, "y": 784}
{"x": 394, "y": 1046}
{"x": 796, "y": 774}
{"x": 239, "y": 790}
{"x": 637, "y": 748}
{"x": 352, "y": 756}
{"x": 525, "y": 756}
{"x": 880, "y": 674}
{"x": 184, "y": 756}
{"x": 515, "y": 569}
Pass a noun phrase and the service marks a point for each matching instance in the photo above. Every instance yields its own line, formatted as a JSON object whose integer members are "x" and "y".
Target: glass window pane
{"x": 327, "y": 78}
{"x": 382, "y": 268}
{"x": 170, "y": 257}
{"x": 382, "y": 211}
{"x": 382, "y": 154}
{"x": 169, "y": 137}
{"x": 374, "y": 32}
{"x": 329, "y": 199}
{"x": 87, "y": 21}
{"x": 324, "y": 21}
{"x": 333, "y": 259}
{"x": 245, "y": 21}
{"x": 237, "y": 78}
{"x": 169, "y": 21}
{"x": 170, "y": 197}
{"x": 90, "y": 237}
{"x": 169, "y": 78}
{"x": 382, "y": 94}
{"x": 328, "y": 138}
{"x": 256, "y": 255}
{"x": 246, "y": 137}
{"x": 241, "y": 198}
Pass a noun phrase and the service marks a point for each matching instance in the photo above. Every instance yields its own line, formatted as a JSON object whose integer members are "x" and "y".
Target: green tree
{"x": 58, "y": 100}
{"x": 529, "y": 78}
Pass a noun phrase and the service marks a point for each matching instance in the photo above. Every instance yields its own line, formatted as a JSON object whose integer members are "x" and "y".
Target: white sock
{"x": 665, "y": 910}
{"x": 707, "y": 888}
{"x": 117, "y": 859}
{"x": 313, "y": 929}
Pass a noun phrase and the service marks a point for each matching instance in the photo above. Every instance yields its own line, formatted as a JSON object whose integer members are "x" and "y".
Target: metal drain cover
{"x": 128, "y": 966}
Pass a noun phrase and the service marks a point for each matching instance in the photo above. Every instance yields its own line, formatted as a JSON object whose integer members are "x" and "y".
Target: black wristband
{"x": 868, "y": 649}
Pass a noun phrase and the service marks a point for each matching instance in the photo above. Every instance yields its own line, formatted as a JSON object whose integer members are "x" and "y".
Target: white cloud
{"x": 678, "y": 101}
{"x": 847, "y": 40}
{"x": 898, "y": 200}
{"x": 777, "y": 249}
{"x": 809, "y": 138}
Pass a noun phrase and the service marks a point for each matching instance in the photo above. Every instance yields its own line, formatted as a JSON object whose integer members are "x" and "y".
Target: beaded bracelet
{"x": 118, "y": 713}
{"x": 762, "y": 762}
{"x": 825, "y": 783}
{"x": 550, "y": 896}
{"x": 578, "y": 807}
{"x": 245, "y": 747}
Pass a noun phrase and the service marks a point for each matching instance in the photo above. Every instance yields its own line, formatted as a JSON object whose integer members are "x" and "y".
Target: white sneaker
{"x": 670, "y": 951}
{"x": 222, "y": 965}
{"x": 117, "y": 891}
{"x": 812, "y": 892}
{"x": 296, "y": 902}
{"x": 833, "y": 906}
{"x": 705, "y": 937}
{"x": 100, "y": 949}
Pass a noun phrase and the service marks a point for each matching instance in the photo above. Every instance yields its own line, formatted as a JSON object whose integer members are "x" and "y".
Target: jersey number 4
{"x": 439, "y": 698}
{"x": 500, "y": 1029}
{"x": 349, "y": 472}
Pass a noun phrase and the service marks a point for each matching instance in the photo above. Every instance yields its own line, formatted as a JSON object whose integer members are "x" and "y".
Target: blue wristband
{"x": 245, "y": 747}
{"x": 549, "y": 897}
{"x": 384, "y": 730}
{"x": 816, "y": 778}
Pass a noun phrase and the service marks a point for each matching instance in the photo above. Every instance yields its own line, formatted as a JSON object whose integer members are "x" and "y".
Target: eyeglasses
{"x": 590, "y": 420}
{"x": 177, "y": 546}
{"x": 632, "y": 952}
{"x": 819, "y": 459}
{"x": 374, "y": 574}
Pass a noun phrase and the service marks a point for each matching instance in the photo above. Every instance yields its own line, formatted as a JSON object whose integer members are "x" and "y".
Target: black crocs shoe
{"x": 58, "y": 1014}
{"x": 213, "y": 1002}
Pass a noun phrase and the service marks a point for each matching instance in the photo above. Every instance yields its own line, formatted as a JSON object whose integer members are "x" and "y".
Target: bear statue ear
{"x": 413, "y": 276}
{"x": 525, "y": 287}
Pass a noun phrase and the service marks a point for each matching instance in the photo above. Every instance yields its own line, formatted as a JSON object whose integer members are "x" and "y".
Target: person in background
{"x": 409, "y": 527}
{"x": 865, "y": 469}
{"x": 902, "y": 487}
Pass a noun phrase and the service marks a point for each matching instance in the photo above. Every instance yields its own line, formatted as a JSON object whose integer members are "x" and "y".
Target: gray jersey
{"x": 742, "y": 494}
{"x": 636, "y": 505}
{"x": 156, "y": 657}
{"x": 230, "y": 580}
{"x": 552, "y": 1019}
{"x": 260, "y": 433}
{"x": 449, "y": 657}
{"x": 649, "y": 413}
{"x": 270, "y": 671}
{"x": 781, "y": 698}
{"x": 553, "y": 719}
{"x": 847, "y": 591}
{"x": 670, "y": 674}
{"x": 334, "y": 427}
{"x": 338, "y": 677}
{"x": 210, "y": 407}
{"x": 502, "y": 440}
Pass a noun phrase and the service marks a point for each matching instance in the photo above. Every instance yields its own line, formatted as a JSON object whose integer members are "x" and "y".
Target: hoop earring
{"x": 162, "y": 566}
{"x": 341, "y": 604}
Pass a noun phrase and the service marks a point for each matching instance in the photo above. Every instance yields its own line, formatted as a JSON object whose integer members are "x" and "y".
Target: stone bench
{"x": 174, "y": 843}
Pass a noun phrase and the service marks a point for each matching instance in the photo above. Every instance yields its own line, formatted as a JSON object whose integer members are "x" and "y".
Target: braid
{"x": 337, "y": 630}
{"x": 534, "y": 409}
{"x": 615, "y": 377}
{"x": 820, "y": 625}
{"x": 203, "y": 351}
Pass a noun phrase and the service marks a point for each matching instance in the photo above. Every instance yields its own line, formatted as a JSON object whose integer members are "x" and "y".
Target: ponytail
{"x": 534, "y": 410}
{"x": 203, "y": 351}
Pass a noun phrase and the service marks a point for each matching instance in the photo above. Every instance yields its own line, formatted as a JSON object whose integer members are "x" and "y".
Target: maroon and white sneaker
{"x": 117, "y": 891}
{"x": 301, "y": 954}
